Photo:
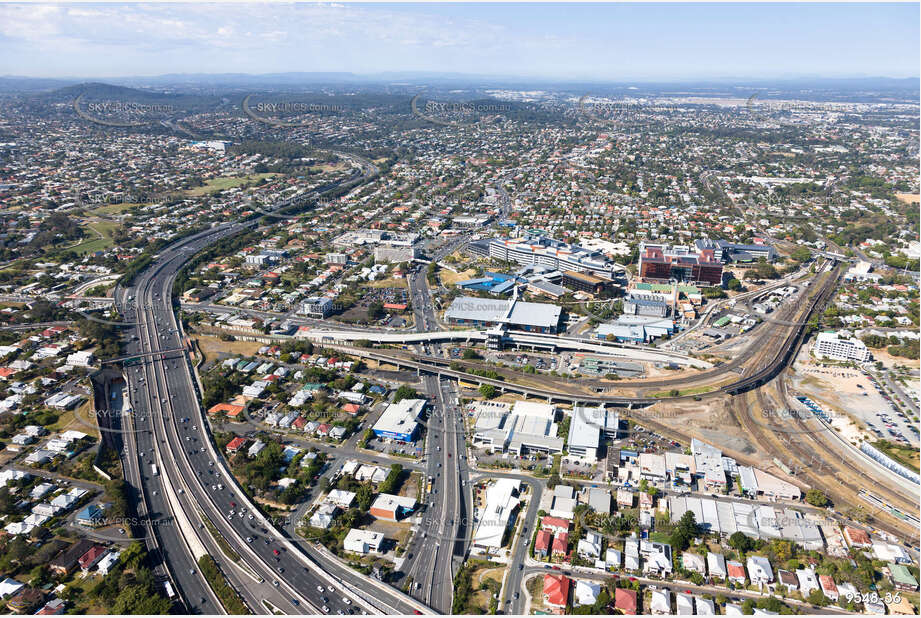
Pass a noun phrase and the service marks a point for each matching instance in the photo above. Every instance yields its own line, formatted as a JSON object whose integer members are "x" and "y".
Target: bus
{"x": 168, "y": 588}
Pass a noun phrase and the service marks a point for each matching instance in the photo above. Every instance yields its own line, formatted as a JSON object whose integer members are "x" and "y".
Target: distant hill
{"x": 11, "y": 85}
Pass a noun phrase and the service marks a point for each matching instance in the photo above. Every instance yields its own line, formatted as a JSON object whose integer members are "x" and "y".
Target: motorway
{"x": 191, "y": 480}
{"x": 446, "y": 518}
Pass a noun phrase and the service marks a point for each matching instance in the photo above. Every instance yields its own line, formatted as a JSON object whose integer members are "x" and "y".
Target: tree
{"x": 801, "y": 254}
{"x": 488, "y": 391}
{"x": 734, "y": 284}
{"x": 817, "y": 597}
{"x": 685, "y": 530}
{"x": 816, "y": 497}
{"x": 404, "y": 392}
{"x": 740, "y": 542}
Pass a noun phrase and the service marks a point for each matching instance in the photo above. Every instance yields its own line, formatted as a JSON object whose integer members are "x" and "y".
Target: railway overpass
{"x": 551, "y": 343}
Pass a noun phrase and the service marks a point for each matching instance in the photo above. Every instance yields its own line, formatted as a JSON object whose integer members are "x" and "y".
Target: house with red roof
{"x": 554, "y": 524}
{"x": 230, "y": 410}
{"x": 542, "y": 543}
{"x": 323, "y": 429}
{"x": 625, "y": 601}
{"x": 235, "y": 445}
{"x": 829, "y": 589}
{"x": 351, "y": 408}
{"x": 857, "y": 537}
{"x": 560, "y": 548}
{"x": 88, "y": 560}
{"x": 556, "y": 591}
{"x": 299, "y": 422}
{"x": 735, "y": 572}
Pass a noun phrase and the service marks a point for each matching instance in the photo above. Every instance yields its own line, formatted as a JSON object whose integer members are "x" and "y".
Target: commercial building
{"x": 678, "y": 263}
{"x": 400, "y": 421}
{"x": 523, "y": 427}
{"x": 316, "y": 307}
{"x": 645, "y": 305}
{"x": 392, "y": 508}
{"x": 755, "y": 481}
{"x": 512, "y": 313}
{"x": 635, "y": 329}
{"x": 830, "y": 345}
{"x": 501, "y": 505}
{"x": 537, "y": 249}
{"x": 586, "y": 429}
{"x": 354, "y": 238}
{"x": 362, "y": 541}
{"x": 586, "y": 282}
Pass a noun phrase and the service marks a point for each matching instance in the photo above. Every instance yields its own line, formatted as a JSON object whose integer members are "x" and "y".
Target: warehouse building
{"x": 513, "y": 313}
{"x": 501, "y": 505}
{"x": 400, "y": 421}
{"x": 525, "y": 427}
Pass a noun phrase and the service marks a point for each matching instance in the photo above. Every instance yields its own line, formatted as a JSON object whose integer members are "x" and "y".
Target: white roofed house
{"x": 661, "y": 601}
{"x": 807, "y": 581}
{"x": 657, "y": 557}
{"x": 704, "y": 607}
{"x": 586, "y": 593}
{"x": 684, "y": 604}
{"x": 613, "y": 558}
{"x": 694, "y": 562}
{"x": 759, "y": 570}
{"x": 590, "y": 546}
{"x": 341, "y": 498}
{"x": 324, "y": 515}
{"x": 716, "y": 565}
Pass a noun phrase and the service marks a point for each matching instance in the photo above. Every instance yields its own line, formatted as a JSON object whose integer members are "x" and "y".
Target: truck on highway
{"x": 153, "y": 469}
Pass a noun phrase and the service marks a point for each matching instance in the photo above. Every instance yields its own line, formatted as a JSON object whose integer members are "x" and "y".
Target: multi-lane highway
{"x": 186, "y": 487}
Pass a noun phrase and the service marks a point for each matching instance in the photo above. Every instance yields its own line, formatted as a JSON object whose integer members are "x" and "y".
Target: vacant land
{"x": 100, "y": 237}
{"x": 450, "y": 278}
{"x": 113, "y": 209}
{"x": 212, "y": 346}
{"x": 225, "y": 182}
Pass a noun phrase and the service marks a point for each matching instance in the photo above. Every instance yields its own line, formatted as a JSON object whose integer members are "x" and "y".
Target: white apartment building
{"x": 830, "y": 345}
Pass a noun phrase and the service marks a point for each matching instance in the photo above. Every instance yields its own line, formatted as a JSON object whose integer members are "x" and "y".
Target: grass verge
{"x": 228, "y": 597}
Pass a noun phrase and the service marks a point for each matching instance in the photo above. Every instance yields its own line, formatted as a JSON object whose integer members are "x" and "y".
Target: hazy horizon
{"x": 575, "y": 42}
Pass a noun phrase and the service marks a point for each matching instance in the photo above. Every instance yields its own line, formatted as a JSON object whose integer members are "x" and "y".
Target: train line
{"x": 816, "y": 466}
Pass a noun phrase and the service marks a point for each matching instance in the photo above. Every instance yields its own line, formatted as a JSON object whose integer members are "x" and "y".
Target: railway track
{"x": 816, "y": 466}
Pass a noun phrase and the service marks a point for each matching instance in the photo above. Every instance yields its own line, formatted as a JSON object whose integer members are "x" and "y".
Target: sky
{"x": 558, "y": 41}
